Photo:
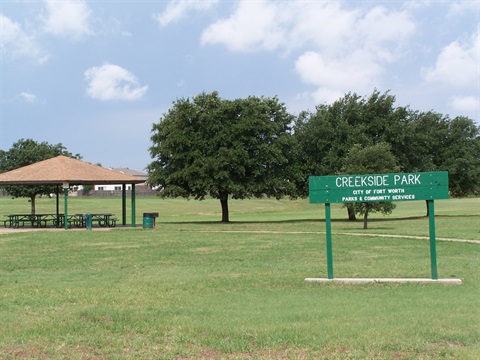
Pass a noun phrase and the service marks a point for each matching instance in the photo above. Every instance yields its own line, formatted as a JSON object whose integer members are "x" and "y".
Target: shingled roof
{"x": 62, "y": 169}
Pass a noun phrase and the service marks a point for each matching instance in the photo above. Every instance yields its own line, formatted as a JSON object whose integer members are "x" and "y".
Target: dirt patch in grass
{"x": 23, "y": 352}
{"x": 260, "y": 354}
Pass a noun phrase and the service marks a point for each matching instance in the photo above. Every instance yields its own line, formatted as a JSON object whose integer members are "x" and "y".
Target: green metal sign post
{"x": 433, "y": 246}
{"x": 328, "y": 230}
{"x": 379, "y": 188}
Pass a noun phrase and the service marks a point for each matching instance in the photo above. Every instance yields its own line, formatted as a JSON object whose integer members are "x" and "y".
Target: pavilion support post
{"x": 133, "y": 205}
{"x": 57, "y": 193}
{"x": 124, "y": 204}
{"x": 65, "y": 205}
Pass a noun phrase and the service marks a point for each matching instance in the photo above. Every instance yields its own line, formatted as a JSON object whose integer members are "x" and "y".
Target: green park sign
{"x": 378, "y": 187}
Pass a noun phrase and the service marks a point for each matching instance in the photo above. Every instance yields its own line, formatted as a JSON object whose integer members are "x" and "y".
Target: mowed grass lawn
{"x": 193, "y": 288}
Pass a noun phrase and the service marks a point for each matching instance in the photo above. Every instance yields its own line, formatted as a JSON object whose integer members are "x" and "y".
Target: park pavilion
{"x": 66, "y": 172}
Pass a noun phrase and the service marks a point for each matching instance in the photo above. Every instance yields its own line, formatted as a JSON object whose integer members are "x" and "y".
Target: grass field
{"x": 193, "y": 288}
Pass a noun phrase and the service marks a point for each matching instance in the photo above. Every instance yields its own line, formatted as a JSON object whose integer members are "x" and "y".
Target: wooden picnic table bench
{"x": 33, "y": 220}
{"x": 44, "y": 220}
{"x": 80, "y": 220}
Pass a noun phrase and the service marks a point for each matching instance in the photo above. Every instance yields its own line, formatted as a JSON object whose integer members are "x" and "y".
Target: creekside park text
{"x": 378, "y": 187}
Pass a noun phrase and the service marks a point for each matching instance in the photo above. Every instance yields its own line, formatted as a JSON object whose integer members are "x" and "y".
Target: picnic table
{"x": 44, "y": 220}
{"x": 103, "y": 220}
{"x": 37, "y": 220}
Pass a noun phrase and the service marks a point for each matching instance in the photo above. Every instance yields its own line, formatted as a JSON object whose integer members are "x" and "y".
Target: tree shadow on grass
{"x": 300, "y": 221}
{"x": 219, "y": 222}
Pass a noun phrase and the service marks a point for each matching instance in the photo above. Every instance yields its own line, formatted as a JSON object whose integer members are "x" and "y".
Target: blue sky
{"x": 95, "y": 75}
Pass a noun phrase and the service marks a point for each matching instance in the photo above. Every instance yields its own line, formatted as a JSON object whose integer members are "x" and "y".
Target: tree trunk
{"x": 224, "y": 203}
{"x": 32, "y": 204}
{"x": 365, "y": 216}
{"x": 351, "y": 213}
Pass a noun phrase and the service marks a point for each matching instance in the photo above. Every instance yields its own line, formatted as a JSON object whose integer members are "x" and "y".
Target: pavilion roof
{"x": 63, "y": 169}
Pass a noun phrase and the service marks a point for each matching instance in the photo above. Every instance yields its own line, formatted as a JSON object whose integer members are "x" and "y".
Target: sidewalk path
{"x": 10, "y": 231}
{"x": 344, "y": 233}
{"x": 414, "y": 237}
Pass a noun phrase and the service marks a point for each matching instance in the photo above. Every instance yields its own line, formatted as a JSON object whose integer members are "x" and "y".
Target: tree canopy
{"x": 209, "y": 146}
{"x": 438, "y": 143}
{"x": 373, "y": 159}
{"x": 253, "y": 147}
{"x": 420, "y": 141}
{"x": 325, "y": 137}
{"x": 26, "y": 152}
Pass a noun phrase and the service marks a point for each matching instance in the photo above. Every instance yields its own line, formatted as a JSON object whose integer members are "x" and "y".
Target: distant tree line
{"x": 253, "y": 147}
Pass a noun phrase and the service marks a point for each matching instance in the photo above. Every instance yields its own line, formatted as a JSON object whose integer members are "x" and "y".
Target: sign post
{"x": 433, "y": 245}
{"x": 328, "y": 226}
{"x": 379, "y": 188}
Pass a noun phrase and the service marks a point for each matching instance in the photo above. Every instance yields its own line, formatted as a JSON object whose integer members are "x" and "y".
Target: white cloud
{"x": 458, "y": 64}
{"x": 466, "y": 104}
{"x": 321, "y": 25}
{"x": 28, "y": 97}
{"x": 67, "y": 19}
{"x": 270, "y": 25}
{"x": 177, "y": 9}
{"x": 16, "y": 43}
{"x": 418, "y": 4}
{"x": 254, "y": 25}
{"x": 458, "y": 8}
{"x": 344, "y": 49}
{"x": 112, "y": 82}
{"x": 334, "y": 76}
{"x": 380, "y": 26}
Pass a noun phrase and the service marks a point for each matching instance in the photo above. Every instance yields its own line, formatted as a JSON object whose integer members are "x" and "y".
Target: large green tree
{"x": 209, "y": 146}
{"x": 325, "y": 137}
{"x": 26, "y": 152}
{"x": 373, "y": 159}
{"x": 461, "y": 156}
{"x": 420, "y": 141}
{"x": 438, "y": 143}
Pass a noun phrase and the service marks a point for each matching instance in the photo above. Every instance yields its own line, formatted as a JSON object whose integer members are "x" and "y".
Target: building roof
{"x": 128, "y": 171}
{"x": 62, "y": 169}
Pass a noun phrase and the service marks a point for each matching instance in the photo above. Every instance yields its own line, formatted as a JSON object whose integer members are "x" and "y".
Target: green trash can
{"x": 149, "y": 220}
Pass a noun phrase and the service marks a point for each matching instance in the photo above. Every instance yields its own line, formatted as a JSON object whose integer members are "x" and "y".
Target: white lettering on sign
{"x": 361, "y": 181}
{"x": 407, "y": 179}
{"x": 377, "y": 198}
{"x": 349, "y": 198}
{"x": 403, "y": 197}
{"x": 396, "y": 191}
